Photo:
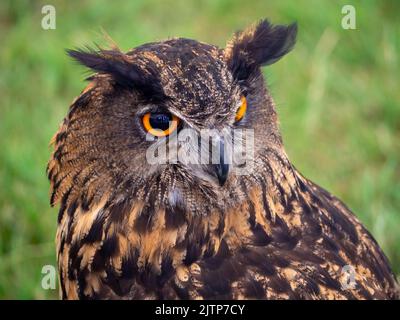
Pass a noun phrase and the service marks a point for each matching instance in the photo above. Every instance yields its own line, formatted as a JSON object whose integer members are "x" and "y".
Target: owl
{"x": 135, "y": 224}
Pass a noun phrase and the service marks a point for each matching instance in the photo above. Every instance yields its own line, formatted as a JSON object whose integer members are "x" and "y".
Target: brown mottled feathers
{"x": 128, "y": 230}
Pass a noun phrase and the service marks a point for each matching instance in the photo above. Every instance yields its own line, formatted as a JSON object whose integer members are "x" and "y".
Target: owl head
{"x": 157, "y": 99}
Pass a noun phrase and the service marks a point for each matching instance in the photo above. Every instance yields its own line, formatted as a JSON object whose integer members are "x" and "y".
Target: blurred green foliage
{"x": 337, "y": 95}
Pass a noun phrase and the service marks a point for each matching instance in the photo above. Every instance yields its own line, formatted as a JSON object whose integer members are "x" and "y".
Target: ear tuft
{"x": 258, "y": 45}
{"x": 118, "y": 65}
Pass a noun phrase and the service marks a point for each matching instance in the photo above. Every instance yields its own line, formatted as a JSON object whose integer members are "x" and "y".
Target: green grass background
{"x": 337, "y": 95}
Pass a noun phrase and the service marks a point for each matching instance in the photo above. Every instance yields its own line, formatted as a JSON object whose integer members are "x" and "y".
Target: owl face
{"x": 144, "y": 114}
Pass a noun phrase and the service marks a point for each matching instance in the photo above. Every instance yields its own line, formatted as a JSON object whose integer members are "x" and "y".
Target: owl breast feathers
{"x": 131, "y": 228}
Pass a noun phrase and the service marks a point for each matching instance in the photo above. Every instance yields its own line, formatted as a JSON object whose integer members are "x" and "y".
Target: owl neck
{"x": 131, "y": 236}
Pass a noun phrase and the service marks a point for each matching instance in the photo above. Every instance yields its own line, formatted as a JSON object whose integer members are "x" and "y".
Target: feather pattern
{"x": 128, "y": 230}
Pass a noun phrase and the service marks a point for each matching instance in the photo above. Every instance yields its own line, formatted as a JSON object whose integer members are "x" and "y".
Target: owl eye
{"x": 241, "y": 111}
{"x": 160, "y": 124}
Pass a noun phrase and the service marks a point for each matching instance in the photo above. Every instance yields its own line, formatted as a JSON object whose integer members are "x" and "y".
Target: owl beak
{"x": 222, "y": 168}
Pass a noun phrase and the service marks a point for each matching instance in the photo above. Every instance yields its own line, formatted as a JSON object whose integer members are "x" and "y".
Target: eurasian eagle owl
{"x": 129, "y": 228}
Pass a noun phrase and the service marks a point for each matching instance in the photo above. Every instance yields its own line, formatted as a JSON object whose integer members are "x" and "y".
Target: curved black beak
{"x": 222, "y": 168}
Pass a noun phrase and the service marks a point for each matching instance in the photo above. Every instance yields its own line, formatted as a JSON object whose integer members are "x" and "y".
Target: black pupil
{"x": 160, "y": 120}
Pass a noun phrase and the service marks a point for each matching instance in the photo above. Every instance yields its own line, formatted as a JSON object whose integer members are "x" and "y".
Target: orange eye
{"x": 241, "y": 111}
{"x": 160, "y": 124}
